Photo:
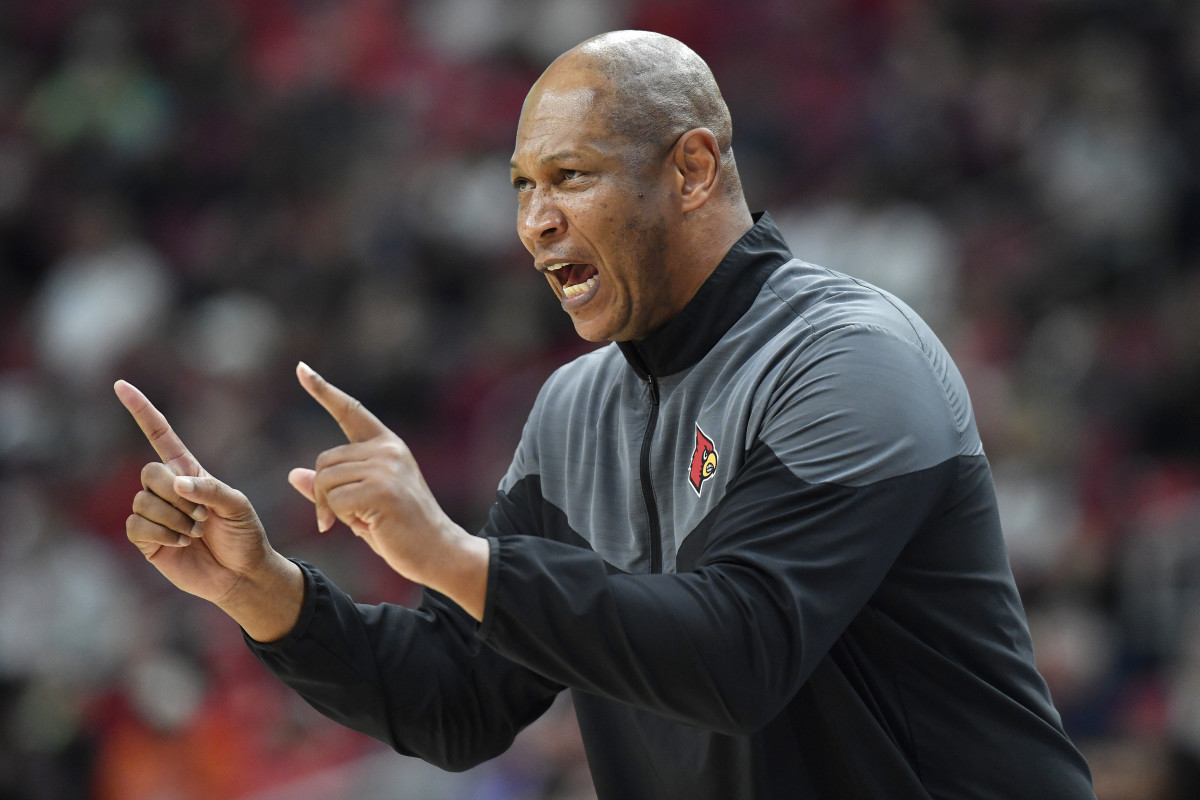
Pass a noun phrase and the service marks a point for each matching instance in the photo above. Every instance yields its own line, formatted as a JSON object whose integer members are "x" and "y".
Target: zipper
{"x": 647, "y": 484}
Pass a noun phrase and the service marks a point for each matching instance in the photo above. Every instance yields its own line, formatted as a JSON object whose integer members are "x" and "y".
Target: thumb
{"x": 220, "y": 498}
{"x": 304, "y": 481}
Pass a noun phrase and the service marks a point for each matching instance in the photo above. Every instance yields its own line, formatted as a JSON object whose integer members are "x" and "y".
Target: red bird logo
{"x": 704, "y": 460}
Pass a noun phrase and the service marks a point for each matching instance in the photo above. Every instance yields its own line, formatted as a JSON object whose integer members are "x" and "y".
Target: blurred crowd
{"x": 196, "y": 194}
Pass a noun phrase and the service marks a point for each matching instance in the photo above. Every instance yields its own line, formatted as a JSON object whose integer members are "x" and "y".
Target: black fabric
{"x": 416, "y": 679}
{"x": 725, "y": 645}
{"x": 803, "y": 692}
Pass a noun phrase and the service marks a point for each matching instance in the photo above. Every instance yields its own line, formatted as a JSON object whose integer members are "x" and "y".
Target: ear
{"x": 697, "y": 162}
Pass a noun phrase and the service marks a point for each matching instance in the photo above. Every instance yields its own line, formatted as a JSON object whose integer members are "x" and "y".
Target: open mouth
{"x": 575, "y": 280}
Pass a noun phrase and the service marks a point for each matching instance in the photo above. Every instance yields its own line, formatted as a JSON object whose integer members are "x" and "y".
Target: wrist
{"x": 266, "y": 601}
{"x": 461, "y": 573}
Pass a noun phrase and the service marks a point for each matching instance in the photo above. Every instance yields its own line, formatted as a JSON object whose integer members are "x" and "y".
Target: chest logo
{"x": 704, "y": 461}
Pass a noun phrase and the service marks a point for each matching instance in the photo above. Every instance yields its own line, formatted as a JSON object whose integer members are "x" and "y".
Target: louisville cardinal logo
{"x": 704, "y": 461}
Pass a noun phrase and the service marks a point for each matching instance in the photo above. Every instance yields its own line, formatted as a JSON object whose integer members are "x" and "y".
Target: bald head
{"x": 651, "y": 89}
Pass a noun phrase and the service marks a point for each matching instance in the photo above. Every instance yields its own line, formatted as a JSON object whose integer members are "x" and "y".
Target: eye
{"x": 521, "y": 184}
{"x": 571, "y": 174}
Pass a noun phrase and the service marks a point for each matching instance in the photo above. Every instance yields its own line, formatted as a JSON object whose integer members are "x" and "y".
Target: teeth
{"x": 556, "y": 267}
{"x": 579, "y": 288}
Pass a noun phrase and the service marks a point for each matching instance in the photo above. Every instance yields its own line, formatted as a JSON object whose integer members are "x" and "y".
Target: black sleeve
{"x": 856, "y": 451}
{"x": 416, "y": 679}
{"x": 784, "y": 567}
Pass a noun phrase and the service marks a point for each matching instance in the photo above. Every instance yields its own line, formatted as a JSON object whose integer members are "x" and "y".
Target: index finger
{"x": 162, "y": 437}
{"x": 355, "y": 420}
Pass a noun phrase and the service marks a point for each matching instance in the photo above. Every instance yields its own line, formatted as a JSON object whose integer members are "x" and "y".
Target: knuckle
{"x": 397, "y": 449}
{"x": 159, "y": 431}
{"x": 331, "y": 457}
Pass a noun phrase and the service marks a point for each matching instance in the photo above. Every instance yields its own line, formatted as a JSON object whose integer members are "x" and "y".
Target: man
{"x": 756, "y": 536}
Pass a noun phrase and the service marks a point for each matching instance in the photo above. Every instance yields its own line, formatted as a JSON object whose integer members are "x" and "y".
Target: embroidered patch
{"x": 704, "y": 461}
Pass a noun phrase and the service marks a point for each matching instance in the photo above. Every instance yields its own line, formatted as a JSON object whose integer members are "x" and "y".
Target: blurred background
{"x": 195, "y": 194}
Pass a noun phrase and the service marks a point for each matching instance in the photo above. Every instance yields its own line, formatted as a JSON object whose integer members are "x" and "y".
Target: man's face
{"x": 592, "y": 212}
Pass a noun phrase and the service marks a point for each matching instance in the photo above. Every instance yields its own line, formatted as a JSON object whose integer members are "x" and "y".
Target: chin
{"x": 590, "y": 335}
{"x": 592, "y": 330}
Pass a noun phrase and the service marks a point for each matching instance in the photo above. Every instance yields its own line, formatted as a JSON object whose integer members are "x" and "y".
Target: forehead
{"x": 563, "y": 113}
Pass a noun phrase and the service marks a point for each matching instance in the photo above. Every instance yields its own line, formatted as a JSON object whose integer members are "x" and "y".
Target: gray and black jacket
{"x": 761, "y": 547}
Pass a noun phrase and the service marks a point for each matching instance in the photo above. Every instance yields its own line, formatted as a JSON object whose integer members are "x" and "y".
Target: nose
{"x": 539, "y": 218}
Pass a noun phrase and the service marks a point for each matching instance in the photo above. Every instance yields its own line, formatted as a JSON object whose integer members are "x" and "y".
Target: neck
{"x": 710, "y": 236}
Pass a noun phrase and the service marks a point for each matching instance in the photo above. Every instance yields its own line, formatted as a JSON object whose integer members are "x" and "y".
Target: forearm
{"x": 415, "y": 679}
{"x": 695, "y": 648}
{"x": 266, "y": 602}
{"x": 787, "y": 567}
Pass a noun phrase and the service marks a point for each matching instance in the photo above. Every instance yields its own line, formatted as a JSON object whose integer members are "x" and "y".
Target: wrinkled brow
{"x": 558, "y": 155}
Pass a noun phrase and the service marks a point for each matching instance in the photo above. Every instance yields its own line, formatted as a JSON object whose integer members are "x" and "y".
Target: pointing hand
{"x": 374, "y": 486}
{"x": 201, "y": 534}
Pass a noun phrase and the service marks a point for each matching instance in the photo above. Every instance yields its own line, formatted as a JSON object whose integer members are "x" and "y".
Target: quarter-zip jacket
{"x": 762, "y": 549}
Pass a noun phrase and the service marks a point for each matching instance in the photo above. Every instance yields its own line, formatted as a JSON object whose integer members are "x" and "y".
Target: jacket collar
{"x": 717, "y": 305}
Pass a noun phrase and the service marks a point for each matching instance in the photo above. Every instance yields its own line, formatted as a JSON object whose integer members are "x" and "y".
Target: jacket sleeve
{"x": 416, "y": 679}
{"x": 787, "y": 561}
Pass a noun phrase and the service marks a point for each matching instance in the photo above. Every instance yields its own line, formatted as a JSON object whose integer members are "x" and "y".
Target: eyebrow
{"x": 559, "y": 155}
